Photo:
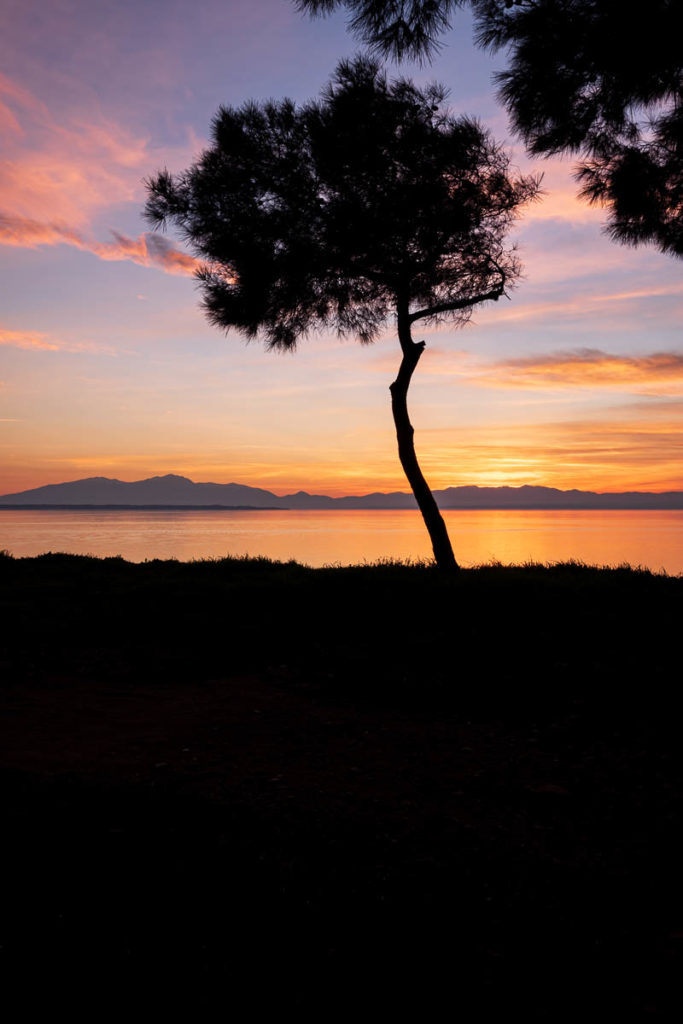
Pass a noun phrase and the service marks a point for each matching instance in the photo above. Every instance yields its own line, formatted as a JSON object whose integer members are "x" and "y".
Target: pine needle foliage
{"x": 586, "y": 77}
{"x": 323, "y": 216}
{"x": 396, "y": 29}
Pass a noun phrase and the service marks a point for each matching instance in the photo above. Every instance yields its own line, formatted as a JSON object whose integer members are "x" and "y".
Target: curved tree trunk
{"x": 441, "y": 545}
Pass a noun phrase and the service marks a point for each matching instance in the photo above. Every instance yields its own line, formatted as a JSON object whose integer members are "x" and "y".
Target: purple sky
{"x": 109, "y": 369}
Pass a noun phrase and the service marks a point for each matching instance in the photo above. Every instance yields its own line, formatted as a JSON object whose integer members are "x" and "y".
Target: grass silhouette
{"x": 224, "y": 771}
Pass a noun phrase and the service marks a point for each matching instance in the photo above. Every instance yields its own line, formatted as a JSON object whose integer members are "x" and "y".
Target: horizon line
{"x": 363, "y": 494}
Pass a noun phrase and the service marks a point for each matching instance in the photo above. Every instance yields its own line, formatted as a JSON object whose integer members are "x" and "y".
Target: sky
{"x": 107, "y": 367}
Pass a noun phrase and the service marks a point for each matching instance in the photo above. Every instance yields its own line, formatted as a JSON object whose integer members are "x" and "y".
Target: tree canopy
{"x": 373, "y": 202}
{"x": 585, "y": 77}
{"x": 321, "y": 216}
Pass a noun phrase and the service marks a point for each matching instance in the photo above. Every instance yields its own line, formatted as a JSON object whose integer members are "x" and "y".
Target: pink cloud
{"x": 55, "y": 177}
{"x": 148, "y": 249}
{"x": 8, "y": 122}
{"x": 585, "y": 305}
{"x": 52, "y": 171}
{"x": 28, "y": 234}
{"x": 17, "y": 92}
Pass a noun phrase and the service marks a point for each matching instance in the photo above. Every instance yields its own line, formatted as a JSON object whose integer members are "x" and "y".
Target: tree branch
{"x": 447, "y": 307}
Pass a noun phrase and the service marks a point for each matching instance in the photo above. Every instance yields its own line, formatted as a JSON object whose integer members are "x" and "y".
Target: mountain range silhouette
{"x": 178, "y": 491}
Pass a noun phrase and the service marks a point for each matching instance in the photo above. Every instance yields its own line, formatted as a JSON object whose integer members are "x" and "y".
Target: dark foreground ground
{"x": 364, "y": 792}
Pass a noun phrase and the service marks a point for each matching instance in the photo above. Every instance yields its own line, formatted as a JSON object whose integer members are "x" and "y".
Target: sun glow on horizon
{"x": 109, "y": 368}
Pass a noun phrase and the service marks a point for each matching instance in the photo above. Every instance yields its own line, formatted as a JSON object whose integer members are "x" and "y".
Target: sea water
{"x": 653, "y": 539}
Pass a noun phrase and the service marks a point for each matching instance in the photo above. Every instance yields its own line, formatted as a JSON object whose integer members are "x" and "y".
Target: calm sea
{"x": 652, "y": 539}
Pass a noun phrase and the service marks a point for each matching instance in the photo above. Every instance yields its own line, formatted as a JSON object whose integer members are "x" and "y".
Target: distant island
{"x": 178, "y": 492}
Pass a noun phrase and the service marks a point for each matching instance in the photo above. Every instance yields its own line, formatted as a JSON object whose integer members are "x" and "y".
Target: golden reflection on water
{"x": 652, "y": 539}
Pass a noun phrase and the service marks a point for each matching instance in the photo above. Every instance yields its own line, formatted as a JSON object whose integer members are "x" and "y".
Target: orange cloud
{"x": 37, "y": 341}
{"x": 26, "y": 339}
{"x": 560, "y": 199}
{"x": 661, "y": 371}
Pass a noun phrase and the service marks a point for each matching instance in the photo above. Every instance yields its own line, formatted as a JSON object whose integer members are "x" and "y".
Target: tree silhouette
{"x": 393, "y": 28}
{"x": 370, "y": 203}
{"x": 584, "y": 76}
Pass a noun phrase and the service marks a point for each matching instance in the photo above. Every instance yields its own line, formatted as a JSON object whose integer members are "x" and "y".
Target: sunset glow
{"x": 108, "y": 367}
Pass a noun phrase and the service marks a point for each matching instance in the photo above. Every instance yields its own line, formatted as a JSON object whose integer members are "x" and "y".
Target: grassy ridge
{"x": 374, "y": 790}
